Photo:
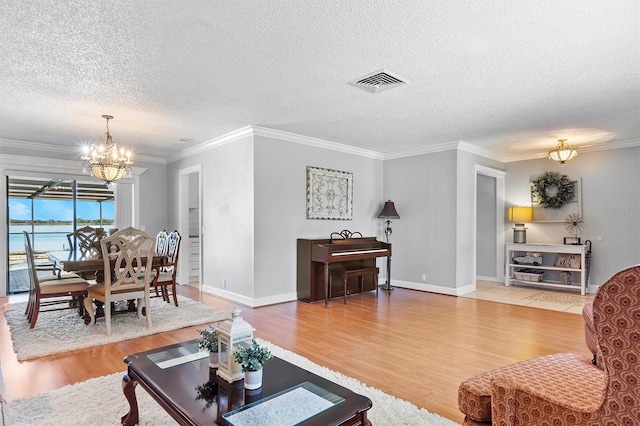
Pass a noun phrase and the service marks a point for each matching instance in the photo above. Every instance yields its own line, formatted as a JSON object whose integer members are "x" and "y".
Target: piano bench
{"x": 345, "y": 274}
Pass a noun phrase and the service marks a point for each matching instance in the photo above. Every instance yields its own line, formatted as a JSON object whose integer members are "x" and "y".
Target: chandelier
{"x": 563, "y": 152}
{"x": 103, "y": 159}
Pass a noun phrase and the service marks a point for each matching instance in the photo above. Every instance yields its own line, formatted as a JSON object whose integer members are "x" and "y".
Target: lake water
{"x": 47, "y": 237}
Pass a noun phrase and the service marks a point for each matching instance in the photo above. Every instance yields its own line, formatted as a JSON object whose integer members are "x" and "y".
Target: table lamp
{"x": 519, "y": 215}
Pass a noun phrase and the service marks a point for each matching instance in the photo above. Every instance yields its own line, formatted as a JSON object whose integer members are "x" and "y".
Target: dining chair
{"x": 127, "y": 273}
{"x": 165, "y": 274}
{"x": 162, "y": 241}
{"x": 50, "y": 293}
{"x": 84, "y": 244}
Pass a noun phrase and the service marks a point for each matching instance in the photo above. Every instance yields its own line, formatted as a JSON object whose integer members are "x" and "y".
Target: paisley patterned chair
{"x": 566, "y": 389}
{"x": 590, "y": 333}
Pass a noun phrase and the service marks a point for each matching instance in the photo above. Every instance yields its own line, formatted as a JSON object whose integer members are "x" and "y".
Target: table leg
{"x": 129, "y": 390}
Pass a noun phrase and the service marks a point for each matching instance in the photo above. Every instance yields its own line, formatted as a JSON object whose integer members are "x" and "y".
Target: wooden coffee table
{"x": 178, "y": 377}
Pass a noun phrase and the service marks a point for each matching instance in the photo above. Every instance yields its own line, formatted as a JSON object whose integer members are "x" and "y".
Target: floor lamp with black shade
{"x": 388, "y": 212}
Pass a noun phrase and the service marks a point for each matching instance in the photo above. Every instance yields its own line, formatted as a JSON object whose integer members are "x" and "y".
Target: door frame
{"x": 499, "y": 176}
{"x": 183, "y": 223}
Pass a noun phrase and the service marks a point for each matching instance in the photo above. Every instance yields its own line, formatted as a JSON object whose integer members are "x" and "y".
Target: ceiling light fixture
{"x": 563, "y": 152}
{"x": 103, "y": 159}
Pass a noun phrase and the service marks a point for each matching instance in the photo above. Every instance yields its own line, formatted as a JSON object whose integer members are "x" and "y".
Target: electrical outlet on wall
{"x": 424, "y": 277}
{"x": 224, "y": 283}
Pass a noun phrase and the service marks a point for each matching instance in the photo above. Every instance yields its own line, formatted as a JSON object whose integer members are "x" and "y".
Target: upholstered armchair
{"x": 590, "y": 333}
{"x": 566, "y": 389}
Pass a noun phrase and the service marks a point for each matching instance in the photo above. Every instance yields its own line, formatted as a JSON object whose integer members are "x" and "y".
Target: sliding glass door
{"x": 48, "y": 210}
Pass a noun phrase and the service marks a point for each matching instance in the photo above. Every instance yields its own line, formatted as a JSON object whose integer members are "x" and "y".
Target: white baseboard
{"x": 492, "y": 279}
{"x": 249, "y": 301}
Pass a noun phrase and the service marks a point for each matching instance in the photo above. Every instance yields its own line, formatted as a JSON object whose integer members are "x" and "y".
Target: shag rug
{"x": 101, "y": 402}
{"x": 63, "y": 331}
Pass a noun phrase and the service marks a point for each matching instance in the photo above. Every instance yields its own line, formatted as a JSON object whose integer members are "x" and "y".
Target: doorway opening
{"x": 190, "y": 224}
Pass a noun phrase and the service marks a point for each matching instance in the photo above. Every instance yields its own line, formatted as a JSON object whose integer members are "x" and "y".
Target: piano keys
{"x": 317, "y": 258}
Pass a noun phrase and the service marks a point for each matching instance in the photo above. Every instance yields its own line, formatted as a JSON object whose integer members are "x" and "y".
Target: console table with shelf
{"x": 551, "y": 274}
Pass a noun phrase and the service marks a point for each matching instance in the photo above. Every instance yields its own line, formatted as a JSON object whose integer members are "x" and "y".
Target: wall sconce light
{"x": 388, "y": 212}
{"x": 519, "y": 215}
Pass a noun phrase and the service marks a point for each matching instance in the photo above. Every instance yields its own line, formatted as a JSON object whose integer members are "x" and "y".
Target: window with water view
{"x": 49, "y": 209}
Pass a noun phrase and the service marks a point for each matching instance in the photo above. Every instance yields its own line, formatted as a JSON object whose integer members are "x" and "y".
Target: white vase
{"x": 253, "y": 379}
{"x": 213, "y": 359}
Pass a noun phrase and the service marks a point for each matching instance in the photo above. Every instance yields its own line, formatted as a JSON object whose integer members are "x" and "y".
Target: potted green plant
{"x": 251, "y": 359}
{"x": 208, "y": 341}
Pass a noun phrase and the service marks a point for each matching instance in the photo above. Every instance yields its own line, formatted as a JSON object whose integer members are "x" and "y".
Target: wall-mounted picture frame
{"x": 572, "y": 241}
{"x": 574, "y": 205}
{"x": 329, "y": 194}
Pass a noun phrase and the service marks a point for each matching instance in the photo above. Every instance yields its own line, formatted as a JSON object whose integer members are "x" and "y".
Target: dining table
{"x": 62, "y": 260}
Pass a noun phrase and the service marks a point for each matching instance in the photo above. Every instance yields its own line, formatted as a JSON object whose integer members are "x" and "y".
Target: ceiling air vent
{"x": 378, "y": 81}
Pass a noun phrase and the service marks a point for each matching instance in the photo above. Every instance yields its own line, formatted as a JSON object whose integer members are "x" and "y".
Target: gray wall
{"x": 280, "y": 207}
{"x": 254, "y": 200}
{"x": 611, "y": 205}
{"x": 423, "y": 189}
{"x": 254, "y": 210}
{"x": 227, "y": 214}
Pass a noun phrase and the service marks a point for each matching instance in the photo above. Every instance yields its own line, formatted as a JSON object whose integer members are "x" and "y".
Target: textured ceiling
{"x": 510, "y": 77}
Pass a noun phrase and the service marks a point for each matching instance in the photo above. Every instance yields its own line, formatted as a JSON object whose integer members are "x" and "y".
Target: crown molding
{"x": 315, "y": 142}
{"x": 28, "y": 164}
{"x": 441, "y": 147}
{"x": 49, "y": 148}
{"x": 473, "y": 149}
{"x": 249, "y": 131}
{"x": 252, "y": 131}
{"x": 212, "y": 143}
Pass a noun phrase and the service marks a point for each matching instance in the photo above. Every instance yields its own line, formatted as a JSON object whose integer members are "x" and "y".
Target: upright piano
{"x": 317, "y": 258}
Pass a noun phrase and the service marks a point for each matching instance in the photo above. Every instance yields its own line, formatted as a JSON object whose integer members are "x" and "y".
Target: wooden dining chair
{"x": 162, "y": 242}
{"x": 50, "y": 293}
{"x": 165, "y": 274}
{"x": 127, "y": 273}
{"x": 84, "y": 244}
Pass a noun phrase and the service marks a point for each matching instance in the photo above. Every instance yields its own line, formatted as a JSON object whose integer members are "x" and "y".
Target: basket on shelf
{"x": 532, "y": 275}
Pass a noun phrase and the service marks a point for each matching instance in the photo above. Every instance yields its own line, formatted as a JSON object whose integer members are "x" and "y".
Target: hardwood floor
{"x": 414, "y": 345}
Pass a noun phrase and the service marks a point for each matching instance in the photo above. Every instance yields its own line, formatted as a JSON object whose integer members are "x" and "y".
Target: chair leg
{"x": 34, "y": 311}
{"x": 88, "y": 306}
{"x": 345, "y": 289}
{"x": 148, "y": 311}
{"x": 175, "y": 295}
{"x": 107, "y": 320}
{"x": 375, "y": 282}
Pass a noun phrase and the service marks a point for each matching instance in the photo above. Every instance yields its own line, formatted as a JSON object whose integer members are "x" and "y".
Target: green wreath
{"x": 553, "y": 190}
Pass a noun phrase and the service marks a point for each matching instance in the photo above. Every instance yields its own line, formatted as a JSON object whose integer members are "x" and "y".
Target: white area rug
{"x": 63, "y": 331}
{"x": 103, "y": 403}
